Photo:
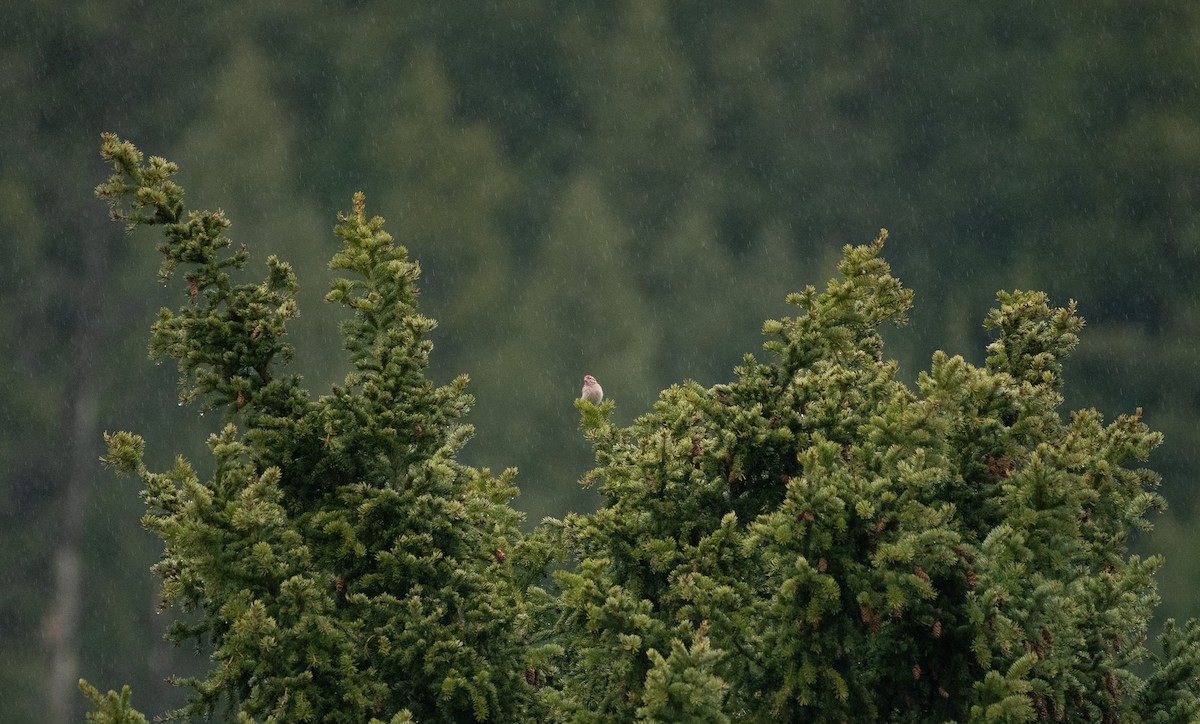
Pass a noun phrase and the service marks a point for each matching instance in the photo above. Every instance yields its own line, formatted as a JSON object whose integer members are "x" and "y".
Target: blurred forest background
{"x": 626, "y": 189}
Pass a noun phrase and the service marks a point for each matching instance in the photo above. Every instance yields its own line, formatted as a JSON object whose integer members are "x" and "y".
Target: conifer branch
{"x": 227, "y": 337}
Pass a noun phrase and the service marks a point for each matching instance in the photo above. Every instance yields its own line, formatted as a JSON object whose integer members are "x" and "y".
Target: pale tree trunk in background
{"x": 81, "y": 438}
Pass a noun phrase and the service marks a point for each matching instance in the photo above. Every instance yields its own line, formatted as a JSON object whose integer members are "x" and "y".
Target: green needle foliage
{"x": 814, "y": 541}
{"x": 111, "y": 708}
{"x": 344, "y": 566}
{"x": 849, "y": 549}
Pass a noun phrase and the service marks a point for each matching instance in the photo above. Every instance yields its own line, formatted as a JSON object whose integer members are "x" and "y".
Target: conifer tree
{"x": 813, "y": 541}
{"x": 841, "y": 547}
{"x": 343, "y": 566}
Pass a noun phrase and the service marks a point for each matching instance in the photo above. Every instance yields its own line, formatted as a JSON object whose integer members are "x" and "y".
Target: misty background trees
{"x": 624, "y": 189}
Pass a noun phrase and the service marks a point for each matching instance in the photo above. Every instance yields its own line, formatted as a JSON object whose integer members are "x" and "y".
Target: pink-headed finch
{"x": 592, "y": 392}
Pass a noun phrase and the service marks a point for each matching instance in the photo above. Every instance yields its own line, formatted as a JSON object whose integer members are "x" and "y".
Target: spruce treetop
{"x": 344, "y": 565}
{"x": 839, "y": 546}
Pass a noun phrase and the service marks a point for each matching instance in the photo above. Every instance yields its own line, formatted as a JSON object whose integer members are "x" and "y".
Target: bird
{"x": 592, "y": 392}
